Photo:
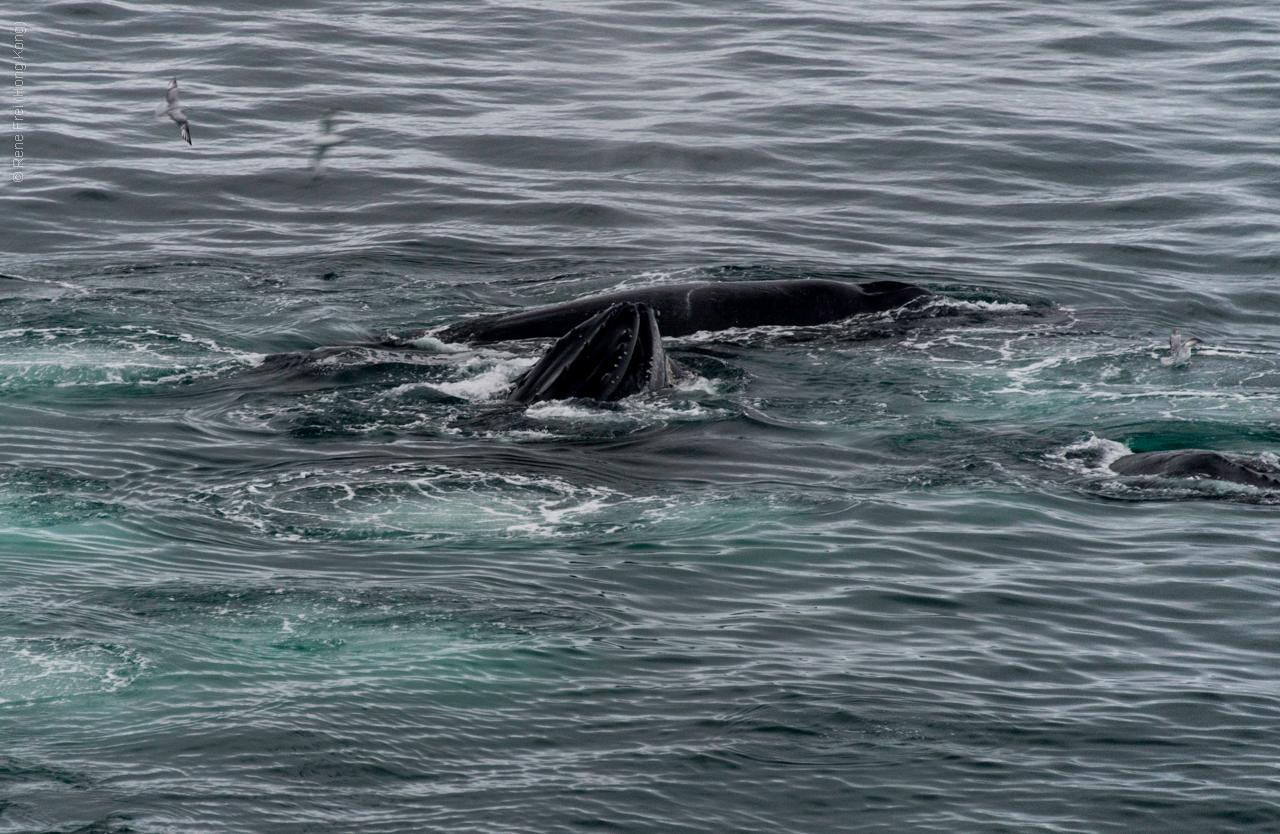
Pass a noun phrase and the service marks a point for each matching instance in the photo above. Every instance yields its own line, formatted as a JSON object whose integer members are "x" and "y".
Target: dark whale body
{"x": 1197, "y": 463}
{"x": 683, "y": 309}
{"x": 614, "y": 354}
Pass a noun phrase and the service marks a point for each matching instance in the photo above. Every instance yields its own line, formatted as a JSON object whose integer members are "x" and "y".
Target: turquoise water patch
{"x": 1050, "y": 374}
{"x": 323, "y": 632}
{"x": 441, "y": 505}
{"x": 136, "y": 356}
{"x": 34, "y": 669}
{"x": 46, "y": 498}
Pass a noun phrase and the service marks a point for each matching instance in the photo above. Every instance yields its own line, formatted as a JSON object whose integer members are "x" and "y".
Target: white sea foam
{"x": 736, "y": 335}
{"x": 1091, "y": 457}
{"x": 42, "y": 668}
{"x": 435, "y": 504}
{"x": 946, "y": 303}
{"x": 642, "y": 409}
{"x": 133, "y": 354}
{"x": 565, "y": 410}
{"x": 409, "y": 388}
{"x": 657, "y": 279}
{"x": 429, "y": 341}
{"x": 697, "y": 384}
{"x": 492, "y": 376}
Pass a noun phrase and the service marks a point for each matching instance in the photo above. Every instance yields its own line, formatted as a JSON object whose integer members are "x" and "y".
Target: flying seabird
{"x": 324, "y": 141}
{"x": 173, "y": 110}
{"x": 1179, "y": 349}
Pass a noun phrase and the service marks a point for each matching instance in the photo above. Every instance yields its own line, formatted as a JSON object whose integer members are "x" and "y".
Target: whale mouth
{"x": 614, "y": 354}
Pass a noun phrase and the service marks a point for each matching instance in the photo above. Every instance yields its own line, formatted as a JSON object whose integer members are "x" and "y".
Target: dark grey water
{"x": 867, "y": 576}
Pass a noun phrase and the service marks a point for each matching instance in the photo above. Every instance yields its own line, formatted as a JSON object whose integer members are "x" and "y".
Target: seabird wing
{"x": 317, "y": 164}
{"x": 173, "y": 110}
{"x": 181, "y": 119}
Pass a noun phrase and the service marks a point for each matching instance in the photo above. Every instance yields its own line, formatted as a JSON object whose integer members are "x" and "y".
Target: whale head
{"x": 614, "y": 354}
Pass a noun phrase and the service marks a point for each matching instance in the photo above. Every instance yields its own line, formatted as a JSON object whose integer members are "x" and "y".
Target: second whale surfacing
{"x": 610, "y": 346}
{"x": 1197, "y": 463}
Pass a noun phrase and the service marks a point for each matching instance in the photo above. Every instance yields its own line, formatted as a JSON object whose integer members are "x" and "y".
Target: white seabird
{"x": 324, "y": 141}
{"x": 1179, "y": 349}
{"x": 173, "y": 110}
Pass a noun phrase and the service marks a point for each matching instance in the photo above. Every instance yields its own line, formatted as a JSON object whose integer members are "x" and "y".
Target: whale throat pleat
{"x": 614, "y": 354}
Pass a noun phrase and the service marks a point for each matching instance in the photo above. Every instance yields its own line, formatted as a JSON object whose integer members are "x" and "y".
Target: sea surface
{"x": 259, "y": 574}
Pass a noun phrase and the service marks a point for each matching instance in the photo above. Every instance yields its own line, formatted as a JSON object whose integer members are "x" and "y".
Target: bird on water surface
{"x": 1179, "y": 349}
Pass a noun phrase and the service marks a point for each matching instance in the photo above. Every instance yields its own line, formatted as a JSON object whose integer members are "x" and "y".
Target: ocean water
{"x": 258, "y": 575}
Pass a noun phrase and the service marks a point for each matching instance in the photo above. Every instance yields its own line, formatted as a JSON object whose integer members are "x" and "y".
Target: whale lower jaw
{"x": 614, "y": 354}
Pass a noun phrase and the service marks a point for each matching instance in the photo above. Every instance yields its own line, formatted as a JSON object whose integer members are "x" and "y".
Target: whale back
{"x": 613, "y": 354}
{"x": 1196, "y": 463}
{"x": 683, "y": 309}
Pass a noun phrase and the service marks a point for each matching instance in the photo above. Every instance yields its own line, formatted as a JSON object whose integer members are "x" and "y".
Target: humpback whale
{"x": 614, "y": 354}
{"x": 610, "y": 346}
{"x": 1198, "y": 463}
{"x": 682, "y": 309}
